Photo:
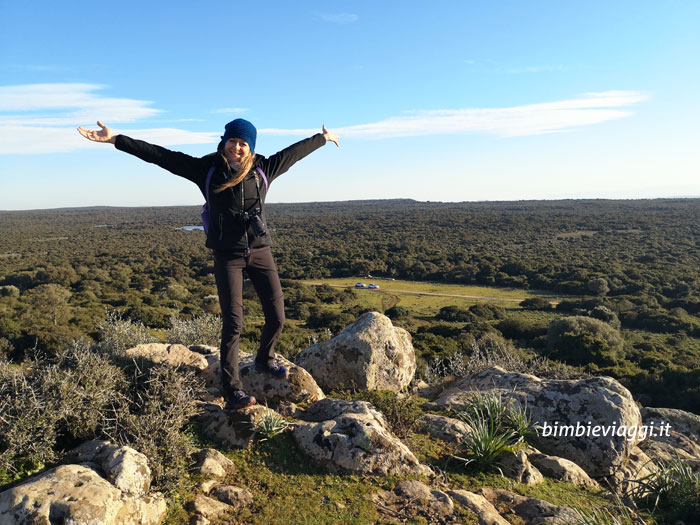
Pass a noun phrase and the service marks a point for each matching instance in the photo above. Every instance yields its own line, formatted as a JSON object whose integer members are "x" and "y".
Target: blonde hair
{"x": 240, "y": 173}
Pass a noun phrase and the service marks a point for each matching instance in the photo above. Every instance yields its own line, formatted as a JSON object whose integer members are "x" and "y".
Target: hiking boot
{"x": 238, "y": 400}
{"x": 273, "y": 368}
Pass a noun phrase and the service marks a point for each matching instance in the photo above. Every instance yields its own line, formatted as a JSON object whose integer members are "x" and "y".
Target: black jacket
{"x": 227, "y": 230}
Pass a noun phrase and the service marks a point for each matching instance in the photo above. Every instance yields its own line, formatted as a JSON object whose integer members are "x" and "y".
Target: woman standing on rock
{"x": 234, "y": 181}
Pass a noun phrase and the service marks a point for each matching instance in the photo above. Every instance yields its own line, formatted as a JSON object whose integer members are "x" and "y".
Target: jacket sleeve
{"x": 280, "y": 162}
{"x": 175, "y": 162}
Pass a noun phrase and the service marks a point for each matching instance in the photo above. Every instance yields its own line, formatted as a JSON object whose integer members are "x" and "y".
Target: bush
{"x": 517, "y": 328}
{"x": 454, "y": 314}
{"x": 580, "y": 340}
{"x": 199, "y": 330}
{"x": 536, "y": 303}
{"x": 27, "y": 423}
{"x": 150, "y": 418}
{"x": 487, "y": 311}
{"x": 397, "y": 312}
{"x": 119, "y": 334}
{"x": 493, "y": 350}
{"x": 9, "y": 291}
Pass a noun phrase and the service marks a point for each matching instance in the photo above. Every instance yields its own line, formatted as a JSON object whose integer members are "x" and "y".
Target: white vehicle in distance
{"x": 360, "y": 285}
{"x": 373, "y": 286}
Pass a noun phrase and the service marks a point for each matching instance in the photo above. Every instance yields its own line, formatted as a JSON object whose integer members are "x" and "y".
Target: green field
{"x": 416, "y": 295}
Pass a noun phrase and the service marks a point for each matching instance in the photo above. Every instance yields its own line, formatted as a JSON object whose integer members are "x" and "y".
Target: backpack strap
{"x": 262, "y": 174}
{"x": 206, "y": 187}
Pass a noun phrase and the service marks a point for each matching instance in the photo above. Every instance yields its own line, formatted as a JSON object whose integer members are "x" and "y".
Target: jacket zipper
{"x": 245, "y": 219}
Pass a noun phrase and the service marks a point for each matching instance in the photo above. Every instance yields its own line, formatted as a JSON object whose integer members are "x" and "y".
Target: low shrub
{"x": 118, "y": 334}
{"x": 199, "y": 330}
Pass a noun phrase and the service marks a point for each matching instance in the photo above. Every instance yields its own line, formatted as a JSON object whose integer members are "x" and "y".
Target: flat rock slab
{"x": 411, "y": 499}
{"x": 353, "y": 437}
{"x": 569, "y": 405}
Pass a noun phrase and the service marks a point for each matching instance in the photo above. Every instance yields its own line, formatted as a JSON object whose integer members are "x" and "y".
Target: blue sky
{"x": 441, "y": 101}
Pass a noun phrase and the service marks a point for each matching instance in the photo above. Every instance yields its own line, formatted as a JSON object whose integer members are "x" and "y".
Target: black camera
{"x": 257, "y": 223}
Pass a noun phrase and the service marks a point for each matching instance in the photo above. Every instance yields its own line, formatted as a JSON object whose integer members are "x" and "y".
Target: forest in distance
{"x": 629, "y": 268}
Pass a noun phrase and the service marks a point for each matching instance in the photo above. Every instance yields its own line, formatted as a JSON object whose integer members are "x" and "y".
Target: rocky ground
{"x": 103, "y": 483}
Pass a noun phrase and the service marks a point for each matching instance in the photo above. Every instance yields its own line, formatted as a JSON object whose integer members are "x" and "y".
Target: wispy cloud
{"x": 51, "y": 112}
{"x": 231, "y": 110}
{"x": 531, "y": 119}
{"x": 41, "y": 118}
{"x": 338, "y": 18}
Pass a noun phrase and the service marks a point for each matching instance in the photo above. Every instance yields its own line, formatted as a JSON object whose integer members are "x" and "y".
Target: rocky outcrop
{"x": 443, "y": 427}
{"x": 568, "y": 407}
{"x": 672, "y": 434}
{"x": 211, "y": 462}
{"x": 561, "y": 469}
{"x": 124, "y": 467}
{"x": 204, "y": 359}
{"x": 234, "y": 428}
{"x": 87, "y": 494}
{"x": 353, "y": 437}
{"x": 370, "y": 354}
{"x": 530, "y": 510}
{"x": 411, "y": 499}
{"x": 516, "y": 466}
{"x": 299, "y": 387}
{"x": 479, "y": 505}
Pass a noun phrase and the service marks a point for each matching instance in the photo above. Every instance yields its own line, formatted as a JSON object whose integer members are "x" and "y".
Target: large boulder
{"x": 353, "y": 437}
{"x": 124, "y": 467}
{"x": 672, "y": 434}
{"x": 570, "y": 410}
{"x": 299, "y": 387}
{"x": 370, "y": 354}
{"x": 77, "y": 494}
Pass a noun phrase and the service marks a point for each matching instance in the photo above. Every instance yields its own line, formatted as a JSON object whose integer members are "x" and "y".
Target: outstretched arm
{"x": 281, "y": 161}
{"x": 103, "y": 135}
{"x": 186, "y": 166}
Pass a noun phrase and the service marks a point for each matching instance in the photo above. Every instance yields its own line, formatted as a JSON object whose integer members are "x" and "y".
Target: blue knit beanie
{"x": 240, "y": 129}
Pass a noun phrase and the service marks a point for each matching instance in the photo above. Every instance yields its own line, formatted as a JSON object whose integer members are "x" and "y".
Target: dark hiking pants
{"x": 228, "y": 270}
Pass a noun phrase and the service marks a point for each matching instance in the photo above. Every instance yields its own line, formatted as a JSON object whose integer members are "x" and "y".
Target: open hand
{"x": 103, "y": 135}
{"x": 330, "y": 136}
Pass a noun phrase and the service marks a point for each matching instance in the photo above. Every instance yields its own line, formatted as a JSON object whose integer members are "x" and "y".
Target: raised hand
{"x": 330, "y": 136}
{"x": 103, "y": 135}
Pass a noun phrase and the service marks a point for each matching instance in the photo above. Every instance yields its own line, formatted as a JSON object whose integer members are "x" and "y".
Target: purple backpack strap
{"x": 206, "y": 188}
{"x": 264, "y": 178}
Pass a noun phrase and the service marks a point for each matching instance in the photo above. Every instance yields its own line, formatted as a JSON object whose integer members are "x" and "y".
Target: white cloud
{"x": 339, "y": 18}
{"x": 41, "y": 118}
{"x": 32, "y": 140}
{"x": 531, "y": 119}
